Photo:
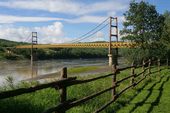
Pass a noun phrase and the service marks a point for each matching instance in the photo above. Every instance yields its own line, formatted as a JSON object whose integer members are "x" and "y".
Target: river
{"x": 21, "y": 70}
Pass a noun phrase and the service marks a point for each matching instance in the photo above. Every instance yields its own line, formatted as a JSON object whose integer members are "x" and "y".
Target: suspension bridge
{"x": 80, "y": 42}
{"x": 77, "y": 43}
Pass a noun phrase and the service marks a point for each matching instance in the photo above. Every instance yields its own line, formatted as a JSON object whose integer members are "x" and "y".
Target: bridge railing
{"x": 65, "y": 82}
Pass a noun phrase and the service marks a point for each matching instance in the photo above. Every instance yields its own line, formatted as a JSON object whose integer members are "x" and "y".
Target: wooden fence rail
{"x": 65, "y": 82}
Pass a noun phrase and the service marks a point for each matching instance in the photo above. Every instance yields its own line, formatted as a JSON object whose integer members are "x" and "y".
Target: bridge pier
{"x": 115, "y": 34}
{"x": 110, "y": 59}
{"x": 34, "y": 66}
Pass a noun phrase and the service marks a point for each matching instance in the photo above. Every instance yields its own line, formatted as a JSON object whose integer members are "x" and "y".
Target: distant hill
{"x": 8, "y": 43}
{"x": 4, "y": 50}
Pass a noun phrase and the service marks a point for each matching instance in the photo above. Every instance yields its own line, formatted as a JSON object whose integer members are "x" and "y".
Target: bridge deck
{"x": 82, "y": 45}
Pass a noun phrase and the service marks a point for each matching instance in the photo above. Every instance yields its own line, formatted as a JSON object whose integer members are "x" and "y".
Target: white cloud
{"x": 9, "y": 19}
{"x": 87, "y": 19}
{"x": 111, "y": 13}
{"x": 92, "y": 19}
{"x": 48, "y": 34}
{"x": 51, "y": 34}
{"x": 67, "y": 6}
{"x": 99, "y": 36}
{"x": 15, "y": 34}
{"x": 14, "y": 19}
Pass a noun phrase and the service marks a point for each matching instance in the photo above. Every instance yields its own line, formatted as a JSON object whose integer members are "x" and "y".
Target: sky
{"x": 60, "y": 21}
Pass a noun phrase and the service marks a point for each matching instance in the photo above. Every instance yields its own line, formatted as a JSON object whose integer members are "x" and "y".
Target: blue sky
{"x": 58, "y": 21}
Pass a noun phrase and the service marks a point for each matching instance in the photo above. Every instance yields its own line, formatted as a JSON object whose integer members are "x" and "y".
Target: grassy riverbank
{"x": 151, "y": 95}
{"x": 77, "y": 70}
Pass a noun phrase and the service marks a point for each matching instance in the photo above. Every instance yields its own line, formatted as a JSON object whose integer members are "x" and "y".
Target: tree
{"x": 144, "y": 26}
{"x": 166, "y": 33}
{"x": 166, "y": 30}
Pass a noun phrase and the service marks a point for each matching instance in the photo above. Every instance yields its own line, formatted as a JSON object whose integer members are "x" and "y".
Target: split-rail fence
{"x": 65, "y": 82}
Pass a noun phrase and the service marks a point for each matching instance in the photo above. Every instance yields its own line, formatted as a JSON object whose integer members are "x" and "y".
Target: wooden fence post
{"x": 133, "y": 73}
{"x": 149, "y": 67}
{"x": 143, "y": 67}
{"x": 114, "y": 81}
{"x": 63, "y": 91}
{"x": 159, "y": 66}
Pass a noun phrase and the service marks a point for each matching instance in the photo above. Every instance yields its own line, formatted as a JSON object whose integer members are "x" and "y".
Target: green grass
{"x": 154, "y": 98}
{"x": 152, "y": 95}
{"x": 82, "y": 69}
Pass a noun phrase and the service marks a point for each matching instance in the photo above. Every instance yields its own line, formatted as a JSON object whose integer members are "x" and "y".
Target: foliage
{"x": 10, "y": 82}
{"x": 144, "y": 25}
{"x": 166, "y": 33}
{"x": 7, "y": 43}
{"x": 6, "y": 46}
{"x": 67, "y": 53}
{"x": 166, "y": 29}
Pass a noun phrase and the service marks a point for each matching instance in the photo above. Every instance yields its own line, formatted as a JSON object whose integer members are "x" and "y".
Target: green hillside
{"x": 5, "y": 46}
{"x": 8, "y": 43}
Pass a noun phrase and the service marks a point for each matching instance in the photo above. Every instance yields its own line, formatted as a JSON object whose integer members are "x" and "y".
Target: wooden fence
{"x": 65, "y": 82}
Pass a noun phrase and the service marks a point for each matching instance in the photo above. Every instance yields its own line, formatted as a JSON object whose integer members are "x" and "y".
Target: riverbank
{"x": 76, "y": 71}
